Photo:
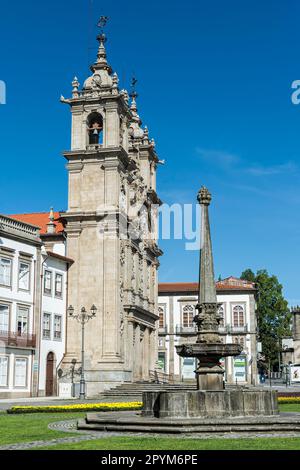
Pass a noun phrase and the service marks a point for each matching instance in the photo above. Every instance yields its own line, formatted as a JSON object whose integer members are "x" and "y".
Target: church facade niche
{"x": 95, "y": 129}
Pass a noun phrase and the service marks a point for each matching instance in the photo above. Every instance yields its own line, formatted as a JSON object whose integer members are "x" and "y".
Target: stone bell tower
{"x": 111, "y": 225}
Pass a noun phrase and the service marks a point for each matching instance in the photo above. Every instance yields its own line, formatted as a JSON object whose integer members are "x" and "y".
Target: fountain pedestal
{"x": 209, "y": 373}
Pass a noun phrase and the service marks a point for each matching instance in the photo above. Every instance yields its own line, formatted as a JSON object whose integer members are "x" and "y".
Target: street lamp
{"x": 83, "y": 317}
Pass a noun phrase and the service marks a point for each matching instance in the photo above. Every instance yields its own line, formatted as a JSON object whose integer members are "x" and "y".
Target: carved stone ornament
{"x": 96, "y": 81}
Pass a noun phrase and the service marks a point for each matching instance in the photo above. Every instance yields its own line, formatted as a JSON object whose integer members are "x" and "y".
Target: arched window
{"x": 95, "y": 129}
{"x": 221, "y": 313}
{"x": 161, "y": 314}
{"x": 188, "y": 313}
{"x": 239, "y": 340}
{"x": 238, "y": 315}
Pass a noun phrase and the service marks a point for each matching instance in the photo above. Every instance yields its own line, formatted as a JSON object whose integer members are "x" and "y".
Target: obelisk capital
{"x": 204, "y": 196}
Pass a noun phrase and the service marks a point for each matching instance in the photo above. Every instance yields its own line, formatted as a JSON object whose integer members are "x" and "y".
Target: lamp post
{"x": 83, "y": 317}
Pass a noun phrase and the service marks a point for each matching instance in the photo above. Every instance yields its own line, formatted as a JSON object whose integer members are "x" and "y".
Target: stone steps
{"x": 134, "y": 423}
{"x": 136, "y": 389}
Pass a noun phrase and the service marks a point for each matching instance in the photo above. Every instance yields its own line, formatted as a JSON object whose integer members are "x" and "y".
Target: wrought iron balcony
{"x": 15, "y": 339}
{"x": 186, "y": 330}
{"x": 238, "y": 329}
{"x": 163, "y": 330}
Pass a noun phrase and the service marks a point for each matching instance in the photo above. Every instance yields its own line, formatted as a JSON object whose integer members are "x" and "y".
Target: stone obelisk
{"x": 208, "y": 348}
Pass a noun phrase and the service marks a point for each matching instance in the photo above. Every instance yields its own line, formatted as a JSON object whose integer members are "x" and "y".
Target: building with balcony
{"x": 33, "y": 297}
{"x": 176, "y": 308}
{"x": 53, "y": 279}
{"x": 20, "y": 264}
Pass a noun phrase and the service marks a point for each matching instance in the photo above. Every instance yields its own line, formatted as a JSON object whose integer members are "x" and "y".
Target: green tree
{"x": 273, "y": 314}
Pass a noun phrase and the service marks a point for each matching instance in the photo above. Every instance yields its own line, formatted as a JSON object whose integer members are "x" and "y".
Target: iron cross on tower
{"x": 102, "y": 23}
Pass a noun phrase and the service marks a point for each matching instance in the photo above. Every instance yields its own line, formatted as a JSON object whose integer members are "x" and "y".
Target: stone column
{"x": 171, "y": 336}
{"x": 137, "y": 356}
{"x": 129, "y": 348}
{"x": 146, "y": 354}
{"x": 152, "y": 350}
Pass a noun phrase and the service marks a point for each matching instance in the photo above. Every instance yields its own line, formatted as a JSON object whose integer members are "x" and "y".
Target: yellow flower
{"x": 78, "y": 407}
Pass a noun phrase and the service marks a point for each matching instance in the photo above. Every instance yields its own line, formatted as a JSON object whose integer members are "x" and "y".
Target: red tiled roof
{"x": 230, "y": 283}
{"x": 40, "y": 219}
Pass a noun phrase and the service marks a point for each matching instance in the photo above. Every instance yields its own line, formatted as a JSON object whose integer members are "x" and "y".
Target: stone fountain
{"x": 209, "y": 408}
{"x": 210, "y": 399}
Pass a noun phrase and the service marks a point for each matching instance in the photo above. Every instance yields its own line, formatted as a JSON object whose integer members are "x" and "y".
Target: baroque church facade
{"x": 111, "y": 226}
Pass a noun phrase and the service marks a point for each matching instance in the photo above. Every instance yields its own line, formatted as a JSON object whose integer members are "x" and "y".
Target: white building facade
{"x": 53, "y": 321}
{"x": 176, "y": 308}
{"x": 20, "y": 260}
{"x": 33, "y": 296}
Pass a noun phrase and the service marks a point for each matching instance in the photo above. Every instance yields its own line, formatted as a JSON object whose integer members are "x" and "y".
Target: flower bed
{"x": 126, "y": 406}
{"x": 122, "y": 406}
{"x": 289, "y": 399}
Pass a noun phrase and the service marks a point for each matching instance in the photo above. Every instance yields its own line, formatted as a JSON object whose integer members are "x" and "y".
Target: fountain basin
{"x": 202, "y": 350}
{"x": 210, "y": 403}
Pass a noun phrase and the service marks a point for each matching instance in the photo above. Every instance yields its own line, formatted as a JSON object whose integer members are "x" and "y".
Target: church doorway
{"x": 50, "y": 375}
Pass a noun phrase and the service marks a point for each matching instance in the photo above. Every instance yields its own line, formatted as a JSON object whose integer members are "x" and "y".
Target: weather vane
{"x": 102, "y": 22}
{"x": 132, "y": 84}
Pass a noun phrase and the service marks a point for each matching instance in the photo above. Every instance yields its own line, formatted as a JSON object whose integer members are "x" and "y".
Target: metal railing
{"x": 187, "y": 330}
{"x": 160, "y": 377}
{"x": 238, "y": 329}
{"x": 163, "y": 330}
{"x": 13, "y": 338}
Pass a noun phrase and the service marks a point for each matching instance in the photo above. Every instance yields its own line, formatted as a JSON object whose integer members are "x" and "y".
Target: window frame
{"x": 183, "y": 307}
{"x": 6, "y": 356}
{"x": 50, "y": 324}
{"x": 222, "y": 323}
{"x": 27, "y": 307}
{"x": 243, "y": 306}
{"x": 8, "y": 305}
{"x": 46, "y": 291}
{"x": 10, "y": 259}
{"x": 18, "y": 358}
{"x": 61, "y": 326}
{"x": 28, "y": 263}
{"x": 161, "y": 309}
{"x": 58, "y": 296}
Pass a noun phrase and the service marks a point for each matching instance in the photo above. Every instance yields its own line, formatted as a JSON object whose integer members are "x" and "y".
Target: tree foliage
{"x": 273, "y": 314}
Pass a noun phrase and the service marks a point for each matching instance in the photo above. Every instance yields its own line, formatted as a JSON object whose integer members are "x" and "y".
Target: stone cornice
{"x": 139, "y": 315}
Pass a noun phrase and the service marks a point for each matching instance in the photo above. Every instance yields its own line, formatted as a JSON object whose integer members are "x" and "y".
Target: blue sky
{"x": 214, "y": 83}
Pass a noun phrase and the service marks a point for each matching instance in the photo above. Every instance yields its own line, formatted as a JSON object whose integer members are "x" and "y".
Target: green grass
{"x": 161, "y": 443}
{"x": 34, "y": 427}
{"x": 292, "y": 407}
{"x": 26, "y": 428}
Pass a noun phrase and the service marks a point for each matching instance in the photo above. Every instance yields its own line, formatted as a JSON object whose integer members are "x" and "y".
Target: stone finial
{"x": 204, "y": 196}
{"x": 101, "y": 56}
{"x": 146, "y": 135}
{"x": 125, "y": 95}
{"x": 75, "y": 88}
{"x": 115, "y": 82}
{"x": 133, "y": 105}
{"x": 51, "y": 224}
